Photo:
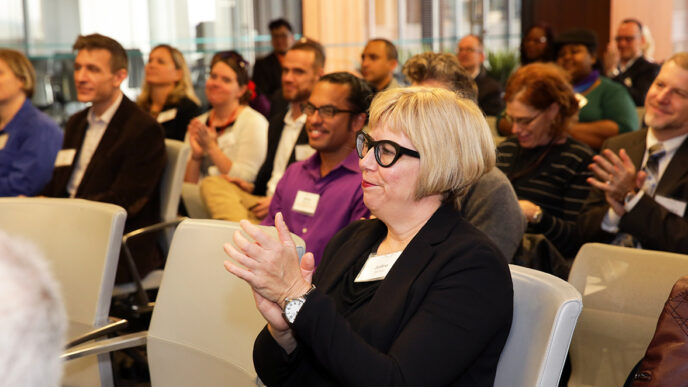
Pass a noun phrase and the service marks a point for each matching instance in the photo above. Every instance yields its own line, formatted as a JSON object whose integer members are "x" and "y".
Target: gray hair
{"x": 32, "y": 317}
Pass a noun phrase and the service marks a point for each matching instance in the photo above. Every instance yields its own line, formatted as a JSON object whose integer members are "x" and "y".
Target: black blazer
{"x": 275, "y": 128}
{"x": 187, "y": 110}
{"x": 489, "y": 94}
{"x": 638, "y": 78}
{"x": 651, "y": 224}
{"x": 267, "y": 74}
{"x": 125, "y": 170}
{"x": 440, "y": 317}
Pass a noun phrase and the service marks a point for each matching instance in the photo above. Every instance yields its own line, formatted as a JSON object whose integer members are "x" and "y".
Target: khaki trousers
{"x": 226, "y": 201}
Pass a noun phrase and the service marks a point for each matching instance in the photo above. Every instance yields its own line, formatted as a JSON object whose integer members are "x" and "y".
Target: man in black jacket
{"x": 625, "y": 63}
{"x": 268, "y": 70}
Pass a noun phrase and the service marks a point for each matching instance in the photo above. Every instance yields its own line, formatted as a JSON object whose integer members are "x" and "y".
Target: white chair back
{"x": 545, "y": 312}
{"x": 171, "y": 182}
{"x": 624, "y": 291}
{"x": 205, "y": 320}
{"x": 81, "y": 239}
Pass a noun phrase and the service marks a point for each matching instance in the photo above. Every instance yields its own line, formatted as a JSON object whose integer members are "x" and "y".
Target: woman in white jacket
{"x": 230, "y": 139}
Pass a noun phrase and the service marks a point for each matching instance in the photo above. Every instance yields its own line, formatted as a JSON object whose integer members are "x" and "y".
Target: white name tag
{"x": 3, "y": 140}
{"x": 377, "y": 267}
{"x": 582, "y": 101}
{"x": 167, "y": 115}
{"x": 303, "y": 151}
{"x": 672, "y": 205}
{"x": 306, "y": 202}
{"x": 65, "y": 157}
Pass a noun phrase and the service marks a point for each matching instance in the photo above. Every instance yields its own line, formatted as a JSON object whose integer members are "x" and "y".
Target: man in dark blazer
{"x": 641, "y": 189}
{"x": 267, "y": 71}
{"x": 234, "y": 199}
{"x": 113, "y": 151}
{"x": 626, "y": 64}
{"x": 470, "y": 52}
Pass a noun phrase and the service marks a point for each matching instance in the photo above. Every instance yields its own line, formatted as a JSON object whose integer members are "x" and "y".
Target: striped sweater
{"x": 557, "y": 185}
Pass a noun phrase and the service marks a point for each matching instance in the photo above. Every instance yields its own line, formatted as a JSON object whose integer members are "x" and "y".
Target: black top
{"x": 267, "y": 74}
{"x": 556, "y": 183}
{"x": 489, "y": 94}
{"x": 440, "y": 317}
{"x": 175, "y": 128}
{"x": 638, "y": 78}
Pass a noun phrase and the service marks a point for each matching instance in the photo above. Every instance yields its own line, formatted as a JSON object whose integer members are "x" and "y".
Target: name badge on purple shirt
{"x": 305, "y": 202}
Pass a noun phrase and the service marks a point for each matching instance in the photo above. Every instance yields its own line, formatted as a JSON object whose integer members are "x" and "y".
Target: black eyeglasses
{"x": 328, "y": 111}
{"x": 386, "y": 152}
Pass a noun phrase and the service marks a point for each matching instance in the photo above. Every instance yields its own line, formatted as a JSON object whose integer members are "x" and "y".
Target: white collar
{"x": 107, "y": 115}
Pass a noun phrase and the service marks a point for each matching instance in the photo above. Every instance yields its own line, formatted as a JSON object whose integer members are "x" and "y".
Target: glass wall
{"x": 46, "y": 29}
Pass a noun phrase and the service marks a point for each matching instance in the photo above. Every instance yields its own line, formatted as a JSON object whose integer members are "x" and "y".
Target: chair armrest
{"x": 104, "y": 346}
{"x": 143, "y": 300}
{"x": 115, "y": 326}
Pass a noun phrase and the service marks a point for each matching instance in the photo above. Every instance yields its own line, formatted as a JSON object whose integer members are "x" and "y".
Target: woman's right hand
{"x": 195, "y": 126}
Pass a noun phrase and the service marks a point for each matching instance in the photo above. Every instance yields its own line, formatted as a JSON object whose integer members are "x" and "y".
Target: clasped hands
{"x": 271, "y": 267}
{"x": 201, "y": 137}
{"x": 616, "y": 176}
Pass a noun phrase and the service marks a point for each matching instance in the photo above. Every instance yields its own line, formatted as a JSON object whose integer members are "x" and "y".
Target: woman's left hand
{"x": 207, "y": 137}
{"x": 529, "y": 209}
{"x": 270, "y": 266}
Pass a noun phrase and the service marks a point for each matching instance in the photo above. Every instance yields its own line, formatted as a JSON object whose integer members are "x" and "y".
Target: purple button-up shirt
{"x": 340, "y": 203}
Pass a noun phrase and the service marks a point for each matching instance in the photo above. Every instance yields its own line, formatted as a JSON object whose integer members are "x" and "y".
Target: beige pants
{"x": 226, "y": 201}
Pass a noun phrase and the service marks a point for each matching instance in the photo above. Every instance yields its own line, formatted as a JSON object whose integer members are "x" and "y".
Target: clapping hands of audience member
{"x": 616, "y": 176}
{"x": 611, "y": 58}
{"x": 194, "y": 127}
{"x": 273, "y": 270}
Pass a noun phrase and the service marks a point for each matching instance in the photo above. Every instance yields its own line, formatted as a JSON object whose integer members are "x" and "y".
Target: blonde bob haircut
{"x": 21, "y": 68}
{"x": 183, "y": 88}
{"x": 450, "y": 133}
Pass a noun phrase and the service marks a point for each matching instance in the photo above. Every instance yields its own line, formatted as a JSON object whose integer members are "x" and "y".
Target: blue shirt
{"x": 31, "y": 142}
{"x": 340, "y": 200}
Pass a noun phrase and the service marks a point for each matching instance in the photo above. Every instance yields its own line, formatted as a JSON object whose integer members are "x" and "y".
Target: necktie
{"x": 655, "y": 153}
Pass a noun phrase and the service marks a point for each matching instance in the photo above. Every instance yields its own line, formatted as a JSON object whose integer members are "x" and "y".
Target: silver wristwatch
{"x": 292, "y": 306}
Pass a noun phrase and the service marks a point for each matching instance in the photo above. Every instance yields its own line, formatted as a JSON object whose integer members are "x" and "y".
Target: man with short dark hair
{"x": 267, "y": 70}
{"x": 471, "y": 55}
{"x": 321, "y": 195}
{"x": 379, "y": 59}
{"x": 625, "y": 63}
{"x": 234, "y": 199}
{"x": 490, "y": 204}
{"x": 640, "y": 189}
{"x": 113, "y": 151}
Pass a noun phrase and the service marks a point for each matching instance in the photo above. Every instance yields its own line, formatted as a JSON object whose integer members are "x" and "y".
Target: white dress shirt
{"x": 290, "y": 134}
{"x": 94, "y": 133}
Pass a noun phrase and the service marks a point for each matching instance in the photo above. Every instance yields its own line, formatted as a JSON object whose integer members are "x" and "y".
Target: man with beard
{"x": 234, "y": 199}
{"x": 641, "y": 185}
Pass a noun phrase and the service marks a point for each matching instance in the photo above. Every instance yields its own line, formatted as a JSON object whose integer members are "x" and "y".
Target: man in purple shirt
{"x": 322, "y": 194}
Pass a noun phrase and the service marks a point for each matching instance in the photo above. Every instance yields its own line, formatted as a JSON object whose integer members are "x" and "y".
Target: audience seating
{"x": 81, "y": 240}
{"x": 170, "y": 194}
{"x": 545, "y": 312}
{"x": 205, "y": 319}
{"x": 624, "y": 291}
{"x": 191, "y": 195}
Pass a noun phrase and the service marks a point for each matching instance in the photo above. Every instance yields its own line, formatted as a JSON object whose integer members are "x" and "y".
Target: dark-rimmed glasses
{"x": 386, "y": 152}
{"x": 328, "y": 111}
